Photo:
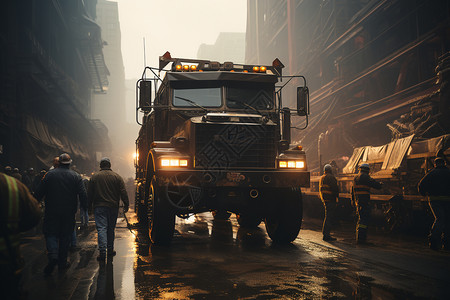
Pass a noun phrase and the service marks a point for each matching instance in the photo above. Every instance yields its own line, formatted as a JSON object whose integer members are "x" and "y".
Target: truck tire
{"x": 248, "y": 220}
{"x": 141, "y": 207}
{"x": 161, "y": 217}
{"x": 284, "y": 222}
{"x": 221, "y": 214}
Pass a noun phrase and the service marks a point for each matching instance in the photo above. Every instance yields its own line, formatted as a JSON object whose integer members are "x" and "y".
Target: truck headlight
{"x": 174, "y": 162}
{"x": 291, "y": 164}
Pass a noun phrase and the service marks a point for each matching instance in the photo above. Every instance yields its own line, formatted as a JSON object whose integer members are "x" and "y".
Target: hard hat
{"x": 8, "y": 169}
{"x": 16, "y": 170}
{"x": 105, "y": 159}
{"x": 364, "y": 167}
{"x": 65, "y": 159}
{"x": 328, "y": 168}
{"x": 105, "y": 162}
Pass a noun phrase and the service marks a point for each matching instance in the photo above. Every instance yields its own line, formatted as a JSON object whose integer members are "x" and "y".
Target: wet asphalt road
{"x": 218, "y": 260}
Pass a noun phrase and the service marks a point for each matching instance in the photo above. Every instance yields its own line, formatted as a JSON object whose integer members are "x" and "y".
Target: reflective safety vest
{"x": 361, "y": 189}
{"x": 327, "y": 192}
{"x": 9, "y": 238}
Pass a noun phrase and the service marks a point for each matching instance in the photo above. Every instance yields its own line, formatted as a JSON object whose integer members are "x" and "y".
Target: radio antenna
{"x": 145, "y": 60}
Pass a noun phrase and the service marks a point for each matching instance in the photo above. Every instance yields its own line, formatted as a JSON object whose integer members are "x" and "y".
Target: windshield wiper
{"x": 245, "y": 104}
{"x": 192, "y": 102}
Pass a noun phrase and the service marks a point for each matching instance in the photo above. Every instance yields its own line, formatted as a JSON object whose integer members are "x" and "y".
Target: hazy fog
{"x": 178, "y": 26}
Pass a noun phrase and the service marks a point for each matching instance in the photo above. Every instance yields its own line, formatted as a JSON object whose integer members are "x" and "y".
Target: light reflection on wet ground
{"x": 216, "y": 259}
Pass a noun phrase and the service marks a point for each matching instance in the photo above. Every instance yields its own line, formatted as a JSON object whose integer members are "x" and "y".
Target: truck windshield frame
{"x": 202, "y": 96}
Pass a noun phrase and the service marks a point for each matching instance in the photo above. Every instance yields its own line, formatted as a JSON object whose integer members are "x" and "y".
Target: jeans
{"x": 84, "y": 216}
{"x": 105, "y": 221}
{"x": 73, "y": 238}
{"x": 58, "y": 247}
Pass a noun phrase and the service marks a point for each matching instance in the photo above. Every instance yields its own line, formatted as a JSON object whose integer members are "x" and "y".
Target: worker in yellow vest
{"x": 329, "y": 194}
{"x": 20, "y": 212}
{"x": 361, "y": 191}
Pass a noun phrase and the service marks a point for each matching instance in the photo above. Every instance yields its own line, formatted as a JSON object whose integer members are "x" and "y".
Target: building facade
{"x": 370, "y": 67}
{"x": 112, "y": 107}
{"x": 52, "y": 61}
{"x": 229, "y": 46}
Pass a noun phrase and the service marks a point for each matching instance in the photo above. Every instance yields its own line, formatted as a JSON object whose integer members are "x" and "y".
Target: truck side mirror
{"x": 302, "y": 101}
{"x": 145, "y": 94}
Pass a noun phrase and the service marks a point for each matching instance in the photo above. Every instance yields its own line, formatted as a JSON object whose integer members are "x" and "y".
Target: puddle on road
{"x": 208, "y": 259}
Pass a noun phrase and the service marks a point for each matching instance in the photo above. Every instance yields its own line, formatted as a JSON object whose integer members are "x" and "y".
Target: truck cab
{"x": 215, "y": 138}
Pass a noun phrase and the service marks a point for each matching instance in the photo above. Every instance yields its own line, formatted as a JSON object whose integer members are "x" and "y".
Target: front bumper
{"x": 267, "y": 178}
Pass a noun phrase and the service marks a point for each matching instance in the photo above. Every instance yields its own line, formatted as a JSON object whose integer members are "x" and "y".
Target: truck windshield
{"x": 256, "y": 97}
{"x": 203, "y": 97}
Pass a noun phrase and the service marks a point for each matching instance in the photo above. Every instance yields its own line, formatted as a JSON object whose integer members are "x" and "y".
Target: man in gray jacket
{"x": 105, "y": 190}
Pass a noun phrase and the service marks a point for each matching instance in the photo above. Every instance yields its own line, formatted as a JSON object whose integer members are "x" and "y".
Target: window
{"x": 204, "y": 97}
{"x": 260, "y": 98}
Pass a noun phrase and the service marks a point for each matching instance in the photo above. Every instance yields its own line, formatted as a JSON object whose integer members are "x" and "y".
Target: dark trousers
{"x": 105, "y": 221}
{"x": 440, "y": 231}
{"x": 363, "y": 210}
{"x": 58, "y": 247}
{"x": 330, "y": 217}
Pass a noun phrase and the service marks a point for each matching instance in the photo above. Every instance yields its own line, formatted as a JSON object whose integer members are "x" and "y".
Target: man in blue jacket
{"x": 61, "y": 187}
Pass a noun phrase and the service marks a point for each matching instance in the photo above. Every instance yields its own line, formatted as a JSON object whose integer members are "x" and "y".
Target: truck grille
{"x": 223, "y": 146}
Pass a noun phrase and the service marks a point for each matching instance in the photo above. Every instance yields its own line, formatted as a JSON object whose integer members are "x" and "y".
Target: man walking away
{"x": 361, "y": 191}
{"x": 61, "y": 187}
{"x": 84, "y": 213}
{"x": 19, "y": 212}
{"x": 436, "y": 185}
{"x": 105, "y": 190}
{"x": 8, "y": 170}
{"x": 38, "y": 178}
{"x": 329, "y": 194}
{"x": 28, "y": 178}
{"x": 16, "y": 174}
{"x": 55, "y": 163}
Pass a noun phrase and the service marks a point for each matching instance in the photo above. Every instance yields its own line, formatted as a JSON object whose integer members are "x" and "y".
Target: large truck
{"x": 216, "y": 137}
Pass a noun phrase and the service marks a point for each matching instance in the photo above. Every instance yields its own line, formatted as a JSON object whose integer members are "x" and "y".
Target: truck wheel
{"x": 284, "y": 223}
{"x": 183, "y": 192}
{"x": 220, "y": 214}
{"x": 161, "y": 217}
{"x": 141, "y": 208}
{"x": 248, "y": 220}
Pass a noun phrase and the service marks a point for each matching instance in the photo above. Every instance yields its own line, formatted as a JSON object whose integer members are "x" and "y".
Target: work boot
{"x": 445, "y": 245}
{"x": 328, "y": 238}
{"x": 64, "y": 266}
{"x": 50, "y": 266}
{"x": 434, "y": 245}
{"x": 101, "y": 257}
